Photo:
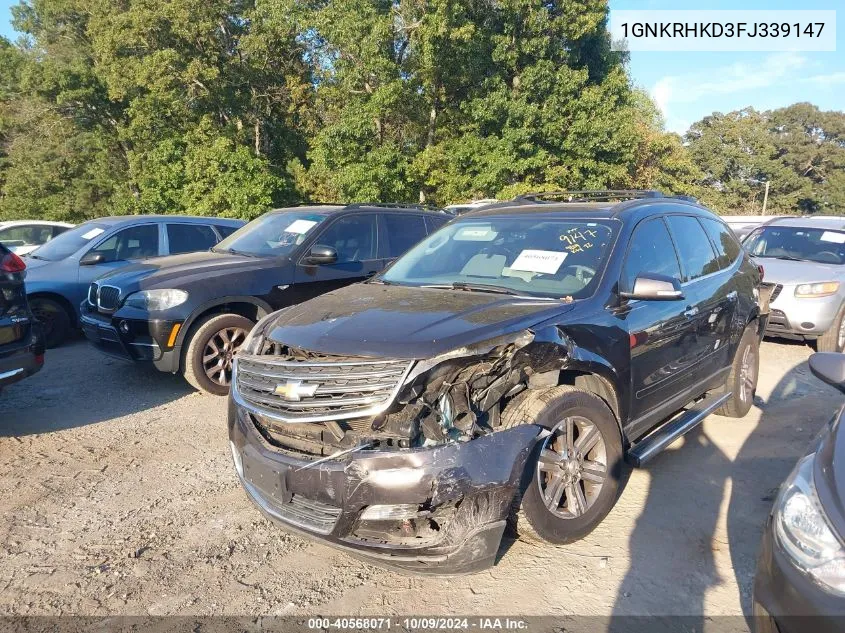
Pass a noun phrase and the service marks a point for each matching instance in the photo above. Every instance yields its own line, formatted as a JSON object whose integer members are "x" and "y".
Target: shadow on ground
{"x": 80, "y": 386}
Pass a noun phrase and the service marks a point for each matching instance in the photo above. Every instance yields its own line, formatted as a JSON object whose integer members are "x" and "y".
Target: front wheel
{"x": 834, "y": 339}
{"x": 574, "y": 476}
{"x": 742, "y": 379}
{"x": 212, "y": 346}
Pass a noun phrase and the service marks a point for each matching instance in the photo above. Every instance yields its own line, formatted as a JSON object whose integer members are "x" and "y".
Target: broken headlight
{"x": 255, "y": 339}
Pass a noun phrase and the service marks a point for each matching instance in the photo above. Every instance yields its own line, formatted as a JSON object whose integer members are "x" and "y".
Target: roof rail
{"x": 594, "y": 195}
{"x": 394, "y": 205}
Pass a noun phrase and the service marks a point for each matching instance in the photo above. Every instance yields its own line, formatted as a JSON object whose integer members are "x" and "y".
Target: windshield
{"x": 69, "y": 242}
{"x": 272, "y": 235}
{"x": 791, "y": 242}
{"x": 527, "y": 255}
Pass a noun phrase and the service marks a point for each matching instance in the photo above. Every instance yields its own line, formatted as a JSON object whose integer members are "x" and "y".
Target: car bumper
{"x": 785, "y": 600}
{"x": 131, "y": 339}
{"x": 463, "y": 491}
{"x": 801, "y": 318}
{"x": 21, "y": 359}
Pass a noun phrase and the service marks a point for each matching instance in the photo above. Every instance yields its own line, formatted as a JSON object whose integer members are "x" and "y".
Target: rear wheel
{"x": 54, "y": 320}
{"x": 573, "y": 478}
{"x": 742, "y": 379}
{"x": 834, "y": 339}
{"x": 212, "y": 346}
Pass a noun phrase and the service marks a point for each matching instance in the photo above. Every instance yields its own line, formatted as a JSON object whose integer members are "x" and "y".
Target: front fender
{"x": 264, "y": 308}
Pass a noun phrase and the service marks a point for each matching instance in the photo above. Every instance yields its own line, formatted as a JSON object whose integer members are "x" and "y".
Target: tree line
{"x": 230, "y": 107}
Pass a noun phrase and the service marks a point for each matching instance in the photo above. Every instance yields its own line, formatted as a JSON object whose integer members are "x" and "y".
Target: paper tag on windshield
{"x": 90, "y": 235}
{"x": 833, "y": 236}
{"x": 300, "y": 226}
{"x": 532, "y": 261}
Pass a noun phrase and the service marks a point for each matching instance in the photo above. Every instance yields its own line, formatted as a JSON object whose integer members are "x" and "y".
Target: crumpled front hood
{"x": 789, "y": 273}
{"x": 404, "y": 322}
{"x": 181, "y": 271}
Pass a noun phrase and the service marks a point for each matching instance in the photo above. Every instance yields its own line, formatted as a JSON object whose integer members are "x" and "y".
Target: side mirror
{"x": 320, "y": 254}
{"x": 653, "y": 287}
{"x": 829, "y": 367}
{"x": 90, "y": 258}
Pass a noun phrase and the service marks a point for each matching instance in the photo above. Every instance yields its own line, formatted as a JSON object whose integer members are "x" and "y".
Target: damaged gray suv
{"x": 498, "y": 374}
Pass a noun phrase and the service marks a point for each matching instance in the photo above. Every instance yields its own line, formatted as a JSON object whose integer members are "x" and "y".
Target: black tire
{"x": 741, "y": 385}
{"x": 54, "y": 319}
{"x": 531, "y": 519}
{"x": 206, "y": 334}
{"x": 831, "y": 341}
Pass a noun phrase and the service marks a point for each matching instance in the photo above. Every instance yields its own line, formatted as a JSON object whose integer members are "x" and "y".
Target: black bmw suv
{"x": 499, "y": 372}
{"x": 21, "y": 339}
{"x": 190, "y": 313}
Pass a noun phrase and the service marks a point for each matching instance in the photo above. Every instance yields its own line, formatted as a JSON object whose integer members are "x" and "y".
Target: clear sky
{"x": 688, "y": 86}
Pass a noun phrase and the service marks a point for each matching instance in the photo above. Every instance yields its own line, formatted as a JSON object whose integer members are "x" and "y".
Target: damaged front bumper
{"x": 439, "y": 510}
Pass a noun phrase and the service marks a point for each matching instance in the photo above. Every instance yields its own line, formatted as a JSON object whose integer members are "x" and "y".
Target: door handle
{"x": 690, "y": 312}
{"x": 372, "y": 273}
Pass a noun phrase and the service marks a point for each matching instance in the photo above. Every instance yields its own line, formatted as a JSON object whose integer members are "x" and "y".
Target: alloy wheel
{"x": 747, "y": 375}
{"x": 572, "y": 467}
{"x": 219, "y": 353}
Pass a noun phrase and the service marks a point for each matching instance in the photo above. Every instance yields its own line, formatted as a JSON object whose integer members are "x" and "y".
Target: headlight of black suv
{"x": 156, "y": 300}
{"x": 803, "y": 530}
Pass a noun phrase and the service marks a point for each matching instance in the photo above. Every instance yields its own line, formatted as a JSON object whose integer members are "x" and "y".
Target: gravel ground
{"x": 118, "y": 496}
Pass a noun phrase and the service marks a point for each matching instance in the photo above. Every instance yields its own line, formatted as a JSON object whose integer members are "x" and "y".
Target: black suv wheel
{"x": 212, "y": 346}
{"x": 573, "y": 479}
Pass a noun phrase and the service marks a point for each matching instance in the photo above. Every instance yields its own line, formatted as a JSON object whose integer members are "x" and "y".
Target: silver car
{"x": 805, "y": 259}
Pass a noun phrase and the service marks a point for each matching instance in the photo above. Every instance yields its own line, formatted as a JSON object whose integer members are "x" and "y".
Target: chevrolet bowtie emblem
{"x": 295, "y": 391}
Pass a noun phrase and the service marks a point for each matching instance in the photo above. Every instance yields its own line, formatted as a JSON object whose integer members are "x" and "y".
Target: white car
{"x": 24, "y": 236}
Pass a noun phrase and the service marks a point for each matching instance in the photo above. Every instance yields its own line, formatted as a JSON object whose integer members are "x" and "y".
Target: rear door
{"x": 660, "y": 332}
{"x": 709, "y": 296}
{"x": 355, "y": 237}
{"x": 14, "y": 314}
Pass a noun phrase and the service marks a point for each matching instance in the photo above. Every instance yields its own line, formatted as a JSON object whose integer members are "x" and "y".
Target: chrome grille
{"x": 345, "y": 388}
{"x": 108, "y": 298}
{"x": 775, "y": 292}
{"x": 92, "y": 295}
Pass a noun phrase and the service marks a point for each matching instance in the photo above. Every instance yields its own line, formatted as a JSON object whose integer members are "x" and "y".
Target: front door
{"x": 355, "y": 238}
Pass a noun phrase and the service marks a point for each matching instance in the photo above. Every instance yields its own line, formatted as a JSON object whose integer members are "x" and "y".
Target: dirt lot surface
{"x": 118, "y": 496}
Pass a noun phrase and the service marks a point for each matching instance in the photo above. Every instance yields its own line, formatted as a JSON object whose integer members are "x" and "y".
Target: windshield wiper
{"x": 232, "y": 251}
{"x": 790, "y": 258}
{"x": 463, "y": 285}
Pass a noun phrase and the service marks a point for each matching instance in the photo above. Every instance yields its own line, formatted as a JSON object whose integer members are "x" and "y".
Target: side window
{"x": 225, "y": 230}
{"x": 187, "y": 238}
{"x": 724, "y": 240}
{"x": 650, "y": 251}
{"x": 435, "y": 223}
{"x": 353, "y": 237}
{"x": 403, "y": 231}
{"x": 694, "y": 247}
{"x": 132, "y": 243}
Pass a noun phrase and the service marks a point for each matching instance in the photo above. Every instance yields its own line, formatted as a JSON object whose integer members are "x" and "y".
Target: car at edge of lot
{"x": 190, "y": 313}
{"x": 800, "y": 580}
{"x": 499, "y": 373}
{"x": 24, "y": 236}
{"x": 21, "y": 343}
{"x": 60, "y": 272}
{"x": 804, "y": 257}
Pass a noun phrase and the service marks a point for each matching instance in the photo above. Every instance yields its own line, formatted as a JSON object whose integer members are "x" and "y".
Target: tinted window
{"x": 187, "y": 238}
{"x": 70, "y": 241}
{"x": 132, "y": 243}
{"x": 694, "y": 247}
{"x": 353, "y": 237}
{"x": 435, "y": 222}
{"x": 403, "y": 231}
{"x": 650, "y": 251}
{"x": 723, "y": 239}
{"x": 225, "y": 230}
